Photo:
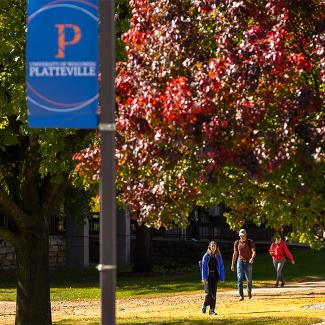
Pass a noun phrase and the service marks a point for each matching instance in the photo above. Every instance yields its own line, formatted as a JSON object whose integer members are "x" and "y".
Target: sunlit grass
{"x": 262, "y": 310}
{"x": 255, "y": 321}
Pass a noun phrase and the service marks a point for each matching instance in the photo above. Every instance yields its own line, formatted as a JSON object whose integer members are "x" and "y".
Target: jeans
{"x": 244, "y": 268}
{"x": 278, "y": 265}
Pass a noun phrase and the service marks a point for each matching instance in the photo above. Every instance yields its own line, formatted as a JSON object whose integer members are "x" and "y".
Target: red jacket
{"x": 280, "y": 251}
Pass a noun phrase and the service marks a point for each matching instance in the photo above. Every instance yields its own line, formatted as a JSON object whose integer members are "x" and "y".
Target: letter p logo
{"x": 62, "y": 42}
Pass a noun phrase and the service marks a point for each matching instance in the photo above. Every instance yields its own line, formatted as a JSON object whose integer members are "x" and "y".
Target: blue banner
{"x": 62, "y": 64}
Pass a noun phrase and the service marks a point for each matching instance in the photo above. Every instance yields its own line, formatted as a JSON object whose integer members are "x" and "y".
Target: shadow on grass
{"x": 214, "y": 320}
{"x": 292, "y": 295}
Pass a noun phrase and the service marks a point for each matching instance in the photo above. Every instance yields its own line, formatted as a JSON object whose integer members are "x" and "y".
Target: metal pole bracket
{"x": 106, "y": 126}
{"x": 105, "y": 267}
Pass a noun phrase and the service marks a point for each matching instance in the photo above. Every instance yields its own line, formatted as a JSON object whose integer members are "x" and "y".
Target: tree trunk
{"x": 33, "y": 288}
{"x": 142, "y": 255}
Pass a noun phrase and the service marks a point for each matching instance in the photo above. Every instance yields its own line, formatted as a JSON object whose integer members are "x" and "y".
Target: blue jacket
{"x": 205, "y": 267}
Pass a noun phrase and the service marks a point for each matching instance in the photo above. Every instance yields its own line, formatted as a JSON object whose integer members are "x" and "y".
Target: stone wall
{"x": 57, "y": 253}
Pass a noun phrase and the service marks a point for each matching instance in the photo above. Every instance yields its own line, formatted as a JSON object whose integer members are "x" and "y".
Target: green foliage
{"x": 122, "y": 16}
{"x": 51, "y": 154}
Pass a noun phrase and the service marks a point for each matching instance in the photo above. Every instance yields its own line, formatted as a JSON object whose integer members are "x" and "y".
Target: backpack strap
{"x": 236, "y": 245}
{"x": 250, "y": 244}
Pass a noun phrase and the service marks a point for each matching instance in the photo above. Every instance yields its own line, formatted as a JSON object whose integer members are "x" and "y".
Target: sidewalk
{"x": 310, "y": 287}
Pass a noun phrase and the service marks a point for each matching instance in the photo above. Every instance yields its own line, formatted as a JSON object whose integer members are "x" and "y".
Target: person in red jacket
{"x": 279, "y": 252}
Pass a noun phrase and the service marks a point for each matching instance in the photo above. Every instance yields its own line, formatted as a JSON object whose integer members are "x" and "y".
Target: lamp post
{"x": 107, "y": 266}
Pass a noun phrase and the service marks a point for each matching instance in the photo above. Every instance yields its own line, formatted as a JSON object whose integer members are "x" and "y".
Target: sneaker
{"x": 282, "y": 284}
{"x": 249, "y": 295}
{"x": 204, "y": 309}
{"x": 276, "y": 284}
{"x": 212, "y": 312}
{"x": 241, "y": 298}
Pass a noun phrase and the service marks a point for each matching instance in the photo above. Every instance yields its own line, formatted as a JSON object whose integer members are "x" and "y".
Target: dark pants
{"x": 211, "y": 291}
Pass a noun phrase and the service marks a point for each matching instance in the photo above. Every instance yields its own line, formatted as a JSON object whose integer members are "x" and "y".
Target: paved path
{"x": 311, "y": 287}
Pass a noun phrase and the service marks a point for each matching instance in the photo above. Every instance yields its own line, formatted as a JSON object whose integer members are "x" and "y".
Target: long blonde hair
{"x": 209, "y": 251}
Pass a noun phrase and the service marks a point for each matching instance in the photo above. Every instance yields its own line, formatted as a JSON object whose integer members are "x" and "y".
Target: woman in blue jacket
{"x": 212, "y": 270}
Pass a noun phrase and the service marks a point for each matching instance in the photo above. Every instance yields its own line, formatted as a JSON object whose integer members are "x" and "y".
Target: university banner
{"x": 62, "y": 63}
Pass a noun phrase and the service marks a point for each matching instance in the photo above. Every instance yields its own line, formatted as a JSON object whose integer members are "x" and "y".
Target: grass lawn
{"x": 83, "y": 284}
{"x": 217, "y": 321}
{"x": 174, "y": 296}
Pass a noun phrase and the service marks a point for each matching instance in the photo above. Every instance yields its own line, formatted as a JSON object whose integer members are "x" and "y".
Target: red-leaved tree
{"x": 222, "y": 101}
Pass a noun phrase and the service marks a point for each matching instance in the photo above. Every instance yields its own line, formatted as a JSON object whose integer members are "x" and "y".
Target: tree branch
{"x": 51, "y": 190}
{"x": 10, "y": 208}
{"x": 8, "y": 236}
